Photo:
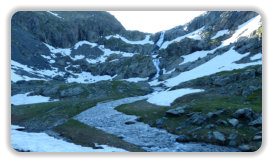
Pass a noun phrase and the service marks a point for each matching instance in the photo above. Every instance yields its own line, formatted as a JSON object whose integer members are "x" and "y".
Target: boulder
{"x": 234, "y": 122}
{"x": 232, "y": 143}
{"x": 245, "y": 113}
{"x": 221, "y": 122}
{"x": 182, "y": 139}
{"x": 214, "y": 114}
{"x": 256, "y": 122}
{"x": 176, "y": 111}
{"x": 244, "y": 148}
{"x": 219, "y": 136}
{"x": 71, "y": 92}
{"x": 198, "y": 118}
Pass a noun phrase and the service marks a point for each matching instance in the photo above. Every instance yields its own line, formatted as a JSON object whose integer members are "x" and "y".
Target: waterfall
{"x": 161, "y": 39}
{"x": 156, "y": 63}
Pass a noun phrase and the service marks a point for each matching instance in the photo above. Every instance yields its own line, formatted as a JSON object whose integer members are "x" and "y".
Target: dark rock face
{"x": 182, "y": 139}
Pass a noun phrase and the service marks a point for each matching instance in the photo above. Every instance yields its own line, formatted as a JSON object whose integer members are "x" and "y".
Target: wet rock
{"x": 183, "y": 139}
{"x": 198, "y": 118}
{"x": 257, "y": 138}
{"x": 245, "y": 113}
{"x": 221, "y": 122}
{"x": 176, "y": 111}
{"x": 159, "y": 122}
{"x": 256, "y": 122}
{"x": 130, "y": 122}
{"x": 245, "y": 148}
{"x": 219, "y": 136}
{"x": 234, "y": 122}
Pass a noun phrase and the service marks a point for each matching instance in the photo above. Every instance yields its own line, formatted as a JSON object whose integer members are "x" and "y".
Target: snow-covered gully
{"x": 104, "y": 116}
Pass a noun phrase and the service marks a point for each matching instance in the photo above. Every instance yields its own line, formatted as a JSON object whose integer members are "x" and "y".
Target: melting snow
{"x": 80, "y": 43}
{"x": 87, "y": 77}
{"x": 22, "y": 99}
{"x": 135, "y": 80}
{"x": 196, "y": 55}
{"x": 223, "y": 62}
{"x": 41, "y": 142}
{"x": 256, "y": 57}
{"x": 165, "y": 98}
{"x": 141, "y": 42}
{"x": 244, "y": 29}
{"x": 161, "y": 39}
{"x": 220, "y": 33}
{"x": 192, "y": 35}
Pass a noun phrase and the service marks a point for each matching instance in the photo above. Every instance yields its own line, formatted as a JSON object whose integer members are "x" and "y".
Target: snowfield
{"x": 141, "y": 42}
{"x": 244, "y": 30}
{"x": 166, "y": 98}
{"x": 223, "y": 62}
{"x": 41, "y": 142}
{"x": 22, "y": 99}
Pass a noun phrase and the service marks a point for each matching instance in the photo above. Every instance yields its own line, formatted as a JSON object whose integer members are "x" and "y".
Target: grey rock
{"x": 219, "y": 136}
{"x": 245, "y": 113}
{"x": 232, "y": 143}
{"x": 177, "y": 111}
{"x": 234, "y": 122}
{"x": 257, "y": 137}
{"x": 194, "y": 130}
{"x": 221, "y": 122}
{"x": 71, "y": 92}
{"x": 214, "y": 114}
{"x": 198, "y": 118}
{"x": 245, "y": 148}
{"x": 256, "y": 122}
{"x": 182, "y": 139}
{"x": 50, "y": 91}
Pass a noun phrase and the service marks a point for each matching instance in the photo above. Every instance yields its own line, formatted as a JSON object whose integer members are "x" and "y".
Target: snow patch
{"x": 41, "y": 142}
{"x": 156, "y": 63}
{"x": 161, "y": 39}
{"x": 169, "y": 72}
{"x": 22, "y": 99}
{"x": 80, "y": 43}
{"x": 223, "y": 62}
{"x": 165, "y": 98}
{"x": 220, "y": 33}
{"x": 141, "y": 42}
{"x": 87, "y": 77}
{"x": 256, "y": 57}
{"x": 135, "y": 80}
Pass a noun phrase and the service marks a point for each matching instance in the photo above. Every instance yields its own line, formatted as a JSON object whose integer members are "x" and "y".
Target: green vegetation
{"x": 85, "y": 135}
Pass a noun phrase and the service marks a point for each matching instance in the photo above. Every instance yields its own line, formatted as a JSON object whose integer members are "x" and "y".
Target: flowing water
{"x": 103, "y": 116}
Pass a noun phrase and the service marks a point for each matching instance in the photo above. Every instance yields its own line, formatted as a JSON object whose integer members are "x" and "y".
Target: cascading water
{"x": 156, "y": 64}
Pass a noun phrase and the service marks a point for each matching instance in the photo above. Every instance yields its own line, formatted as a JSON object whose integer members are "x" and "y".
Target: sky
{"x": 154, "y": 21}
